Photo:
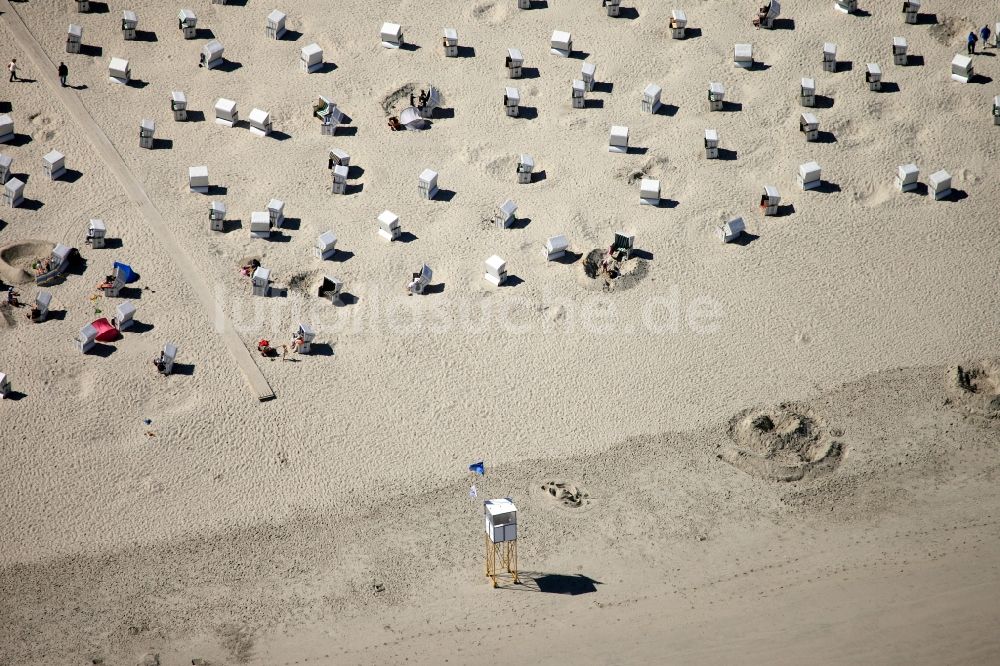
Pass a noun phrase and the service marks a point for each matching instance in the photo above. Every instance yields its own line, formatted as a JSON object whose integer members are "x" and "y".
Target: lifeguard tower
{"x": 500, "y": 518}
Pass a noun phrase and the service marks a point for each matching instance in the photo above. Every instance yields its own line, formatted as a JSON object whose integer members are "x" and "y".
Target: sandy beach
{"x": 762, "y": 451}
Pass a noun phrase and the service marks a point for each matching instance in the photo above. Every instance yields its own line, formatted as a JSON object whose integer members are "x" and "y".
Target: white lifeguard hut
{"x": 391, "y": 35}
{"x": 561, "y": 44}
{"x": 495, "y": 270}
{"x": 587, "y": 72}
{"x": 939, "y": 184}
{"x": 260, "y": 224}
{"x": 329, "y": 116}
{"x": 731, "y": 230}
{"x": 614, "y": 8}
{"x": 388, "y": 225}
{"x": 449, "y": 42}
{"x": 13, "y": 192}
{"x": 198, "y": 179}
{"x": 275, "y": 28}
{"x": 306, "y": 333}
{"x": 74, "y": 38}
{"x": 911, "y": 8}
{"x": 86, "y": 338}
{"x": 555, "y": 247}
{"x": 6, "y": 162}
{"x": 96, "y": 234}
{"x": 907, "y": 177}
{"x": 899, "y": 47}
{"x": 500, "y": 519}
{"x": 829, "y": 57}
{"x": 6, "y": 128}
{"x": 846, "y": 6}
{"x": 427, "y": 186}
{"x": 622, "y": 245}
{"x": 129, "y": 24}
{"x": 579, "y": 90}
{"x": 217, "y": 216}
{"x": 770, "y": 200}
{"x": 338, "y": 175}
{"x": 809, "y": 126}
{"x": 4, "y": 385}
{"x": 873, "y": 75}
{"x": 124, "y": 316}
{"x": 326, "y": 245}
{"x": 260, "y": 122}
{"x": 43, "y": 300}
{"x": 147, "y": 128}
{"x": 961, "y": 68}
{"x": 82, "y": 6}
{"x": 276, "y": 213}
{"x": 511, "y": 101}
{"x": 996, "y": 112}
{"x": 649, "y": 192}
{"x": 187, "y": 22}
{"x": 809, "y": 176}
{"x": 807, "y": 92}
{"x": 119, "y": 71}
{"x": 331, "y": 288}
{"x": 260, "y": 281}
{"x": 767, "y": 14}
{"x": 167, "y": 358}
{"x": 419, "y": 280}
{"x": 338, "y": 157}
{"x": 743, "y": 56}
{"x": 211, "y": 55}
{"x": 179, "y": 105}
{"x": 711, "y": 144}
{"x": 514, "y": 62}
{"x": 504, "y": 215}
{"x": 311, "y": 58}
{"x": 651, "y": 98}
{"x": 525, "y": 168}
{"x": 226, "y": 112}
{"x": 716, "y": 96}
{"x": 678, "y": 24}
{"x": 618, "y": 139}
{"x": 54, "y": 164}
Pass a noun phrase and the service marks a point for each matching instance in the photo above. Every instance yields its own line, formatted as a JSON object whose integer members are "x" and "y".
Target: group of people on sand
{"x": 12, "y": 298}
{"x": 420, "y": 102}
{"x": 42, "y": 266}
{"x": 984, "y": 34}
{"x": 267, "y": 350}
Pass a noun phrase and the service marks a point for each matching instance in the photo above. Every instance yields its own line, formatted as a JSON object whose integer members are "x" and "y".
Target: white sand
{"x": 856, "y": 281}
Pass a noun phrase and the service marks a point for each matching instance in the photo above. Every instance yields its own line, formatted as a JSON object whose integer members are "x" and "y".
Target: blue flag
{"x": 478, "y": 467}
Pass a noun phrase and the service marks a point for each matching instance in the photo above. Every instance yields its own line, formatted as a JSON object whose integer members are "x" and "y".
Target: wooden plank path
{"x": 45, "y": 70}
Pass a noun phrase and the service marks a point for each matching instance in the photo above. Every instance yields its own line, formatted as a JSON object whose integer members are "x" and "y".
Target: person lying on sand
{"x": 12, "y": 297}
{"x": 265, "y": 349}
{"x": 34, "y": 314}
{"x": 43, "y": 266}
{"x": 159, "y": 362}
{"x": 394, "y": 124}
{"x": 248, "y": 270}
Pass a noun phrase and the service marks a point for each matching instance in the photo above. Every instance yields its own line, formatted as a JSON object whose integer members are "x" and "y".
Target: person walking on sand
{"x": 63, "y": 73}
{"x": 972, "y": 42}
{"x": 12, "y": 68}
{"x": 984, "y": 34}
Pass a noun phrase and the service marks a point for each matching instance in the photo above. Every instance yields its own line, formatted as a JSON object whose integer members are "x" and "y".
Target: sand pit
{"x": 565, "y": 494}
{"x": 628, "y": 274}
{"x": 783, "y": 443}
{"x": 16, "y": 260}
{"x": 975, "y": 388}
